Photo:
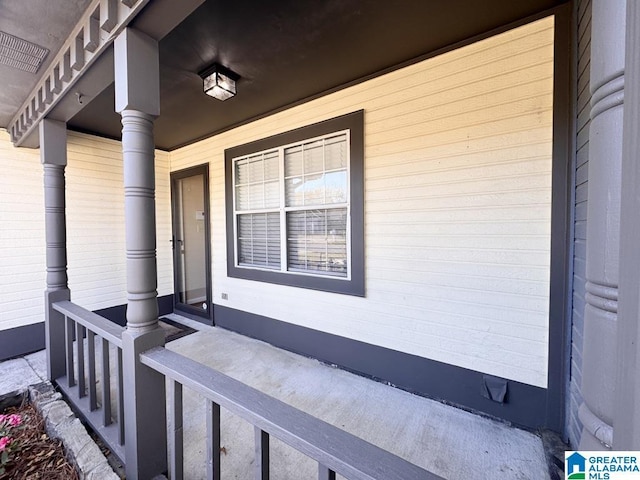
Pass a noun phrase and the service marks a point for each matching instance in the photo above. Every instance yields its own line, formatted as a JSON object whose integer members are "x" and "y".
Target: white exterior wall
{"x": 457, "y": 213}
{"x": 95, "y": 222}
{"x": 457, "y": 209}
{"x": 22, "y": 244}
{"x": 95, "y": 228}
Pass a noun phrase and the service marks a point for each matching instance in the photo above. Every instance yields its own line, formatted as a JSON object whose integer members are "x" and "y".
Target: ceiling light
{"x": 219, "y": 82}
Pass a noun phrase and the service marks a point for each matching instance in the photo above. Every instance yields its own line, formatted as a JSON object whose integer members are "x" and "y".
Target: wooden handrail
{"x": 101, "y": 326}
{"x": 334, "y": 449}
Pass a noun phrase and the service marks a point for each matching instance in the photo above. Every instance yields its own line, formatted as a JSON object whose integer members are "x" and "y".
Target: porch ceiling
{"x": 46, "y": 23}
{"x": 285, "y": 51}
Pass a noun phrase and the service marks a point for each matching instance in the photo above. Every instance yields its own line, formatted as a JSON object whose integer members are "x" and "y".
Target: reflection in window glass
{"x": 314, "y": 208}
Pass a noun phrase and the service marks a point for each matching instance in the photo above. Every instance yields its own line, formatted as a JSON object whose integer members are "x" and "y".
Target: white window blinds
{"x": 291, "y": 207}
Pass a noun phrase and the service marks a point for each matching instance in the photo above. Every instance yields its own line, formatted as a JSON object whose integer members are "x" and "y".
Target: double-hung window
{"x": 296, "y": 207}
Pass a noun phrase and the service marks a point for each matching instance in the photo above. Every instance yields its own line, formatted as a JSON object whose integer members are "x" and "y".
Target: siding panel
{"x": 95, "y": 222}
{"x": 22, "y": 247}
{"x": 457, "y": 209}
{"x": 95, "y": 228}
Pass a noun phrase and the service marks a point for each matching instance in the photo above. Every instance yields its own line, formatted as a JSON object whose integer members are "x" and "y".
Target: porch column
{"x": 626, "y": 422}
{"x": 53, "y": 155}
{"x": 603, "y": 224}
{"x": 138, "y": 102}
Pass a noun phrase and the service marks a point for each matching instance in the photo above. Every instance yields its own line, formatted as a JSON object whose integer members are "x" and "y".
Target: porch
{"x": 441, "y": 439}
{"x": 119, "y": 380}
{"x": 471, "y": 181}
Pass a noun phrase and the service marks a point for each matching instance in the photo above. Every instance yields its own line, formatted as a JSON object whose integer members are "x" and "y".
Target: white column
{"x": 53, "y": 154}
{"x": 138, "y": 102}
{"x": 603, "y": 224}
{"x": 626, "y": 420}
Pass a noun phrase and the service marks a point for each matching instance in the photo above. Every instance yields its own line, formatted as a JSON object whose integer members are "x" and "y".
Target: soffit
{"x": 45, "y": 23}
{"x": 287, "y": 51}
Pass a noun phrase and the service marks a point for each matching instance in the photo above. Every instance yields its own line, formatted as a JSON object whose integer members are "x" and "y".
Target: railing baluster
{"x": 262, "y": 454}
{"x": 121, "y": 398}
{"x": 106, "y": 384}
{"x": 174, "y": 435}
{"x": 82, "y": 365}
{"x": 324, "y": 473}
{"x": 336, "y": 451}
{"x": 213, "y": 441}
{"x": 91, "y": 346}
{"x": 80, "y": 355}
{"x": 68, "y": 330}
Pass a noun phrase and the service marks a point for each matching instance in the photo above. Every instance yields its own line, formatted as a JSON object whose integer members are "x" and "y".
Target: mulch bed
{"x": 39, "y": 457}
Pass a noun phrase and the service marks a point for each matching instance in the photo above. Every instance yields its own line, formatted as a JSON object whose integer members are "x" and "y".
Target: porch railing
{"x": 87, "y": 382}
{"x": 335, "y": 450}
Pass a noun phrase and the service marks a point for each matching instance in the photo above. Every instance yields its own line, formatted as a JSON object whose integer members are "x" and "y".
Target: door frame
{"x": 178, "y": 307}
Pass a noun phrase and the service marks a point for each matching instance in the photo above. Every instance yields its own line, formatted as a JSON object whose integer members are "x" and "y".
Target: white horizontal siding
{"x": 22, "y": 247}
{"x": 95, "y": 222}
{"x": 457, "y": 209}
{"x": 95, "y": 228}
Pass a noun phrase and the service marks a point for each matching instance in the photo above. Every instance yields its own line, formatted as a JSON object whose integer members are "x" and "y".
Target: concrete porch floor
{"x": 445, "y": 440}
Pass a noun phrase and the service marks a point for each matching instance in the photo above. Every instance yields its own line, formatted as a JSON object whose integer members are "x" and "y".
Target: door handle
{"x": 173, "y": 241}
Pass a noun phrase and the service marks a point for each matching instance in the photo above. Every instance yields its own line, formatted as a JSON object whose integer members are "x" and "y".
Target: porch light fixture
{"x": 219, "y": 82}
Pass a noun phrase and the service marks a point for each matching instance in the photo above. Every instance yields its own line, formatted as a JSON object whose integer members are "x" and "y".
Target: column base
{"x": 144, "y": 408}
{"x": 596, "y": 434}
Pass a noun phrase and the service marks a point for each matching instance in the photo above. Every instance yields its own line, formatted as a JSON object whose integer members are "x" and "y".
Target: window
{"x": 311, "y": 202}
{"x": 295, "y": 207}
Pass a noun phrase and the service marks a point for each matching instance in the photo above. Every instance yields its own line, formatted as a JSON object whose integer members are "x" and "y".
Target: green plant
{"x": 8, "y": 445}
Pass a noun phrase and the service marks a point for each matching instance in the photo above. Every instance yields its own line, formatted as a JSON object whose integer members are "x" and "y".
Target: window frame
{"x": 354, "y": 283}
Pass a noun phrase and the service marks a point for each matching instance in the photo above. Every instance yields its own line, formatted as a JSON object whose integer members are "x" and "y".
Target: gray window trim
{"x": 354, "y": 122}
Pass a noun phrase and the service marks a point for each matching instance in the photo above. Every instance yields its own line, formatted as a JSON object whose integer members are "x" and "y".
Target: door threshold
{"x": 207, "y": 320}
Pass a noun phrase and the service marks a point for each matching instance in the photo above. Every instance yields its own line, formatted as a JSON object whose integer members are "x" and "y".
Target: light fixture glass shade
{"x": 220, "y": 86}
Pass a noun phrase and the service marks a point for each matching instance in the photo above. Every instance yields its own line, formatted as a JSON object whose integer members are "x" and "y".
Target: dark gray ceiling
{"x": 286, "y": 51}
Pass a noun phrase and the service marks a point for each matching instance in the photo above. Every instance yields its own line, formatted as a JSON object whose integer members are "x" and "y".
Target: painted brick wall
{"x": 583, "y": 11}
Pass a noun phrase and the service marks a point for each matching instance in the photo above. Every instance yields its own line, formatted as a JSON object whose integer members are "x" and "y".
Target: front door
{"x": 191, "y": 245}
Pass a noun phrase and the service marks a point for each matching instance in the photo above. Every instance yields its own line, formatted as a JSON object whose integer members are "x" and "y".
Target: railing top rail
{"x": 94, "y": 322}
{"x": 338, "y": 450}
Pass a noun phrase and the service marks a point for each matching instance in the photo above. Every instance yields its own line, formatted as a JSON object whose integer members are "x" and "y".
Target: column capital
{"x": 53, "y": 142}
{"x": 137, "y": 72}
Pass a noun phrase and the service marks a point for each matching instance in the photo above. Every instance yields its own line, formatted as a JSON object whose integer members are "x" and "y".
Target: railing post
{"x": 137, "y": 101}
{"x": 261, "y": 462}
{"x": 213, "y": 441}
{"x": 53, "y": 154}
{"x": 324, "y": 473}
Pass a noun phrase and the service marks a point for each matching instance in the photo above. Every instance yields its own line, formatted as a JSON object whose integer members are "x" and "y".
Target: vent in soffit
{"x": 18, "y": 53}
